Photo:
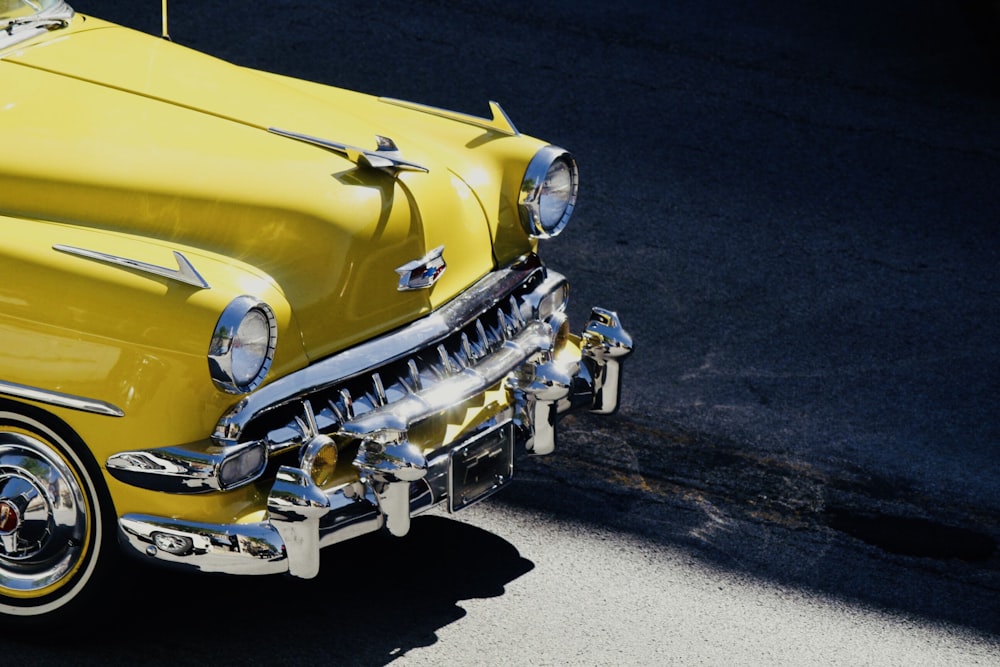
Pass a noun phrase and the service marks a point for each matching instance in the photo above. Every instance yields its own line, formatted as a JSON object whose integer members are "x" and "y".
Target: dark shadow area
{"x": 849, "y": 535}
{"x": 983, "y": 17}
{"x": 912, "y": 536}
{"x": 375, "y": 598}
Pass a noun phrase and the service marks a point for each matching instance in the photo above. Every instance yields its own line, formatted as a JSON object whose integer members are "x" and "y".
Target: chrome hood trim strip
{"x": 499, "y": 122}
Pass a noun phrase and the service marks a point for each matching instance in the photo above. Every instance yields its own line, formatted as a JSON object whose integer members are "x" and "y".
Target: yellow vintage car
{"x": 246, "y": 317}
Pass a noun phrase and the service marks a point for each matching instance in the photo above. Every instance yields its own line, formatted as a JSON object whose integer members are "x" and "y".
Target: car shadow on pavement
{"x": 836, "y": 530}
{"x": 375, "y": 598}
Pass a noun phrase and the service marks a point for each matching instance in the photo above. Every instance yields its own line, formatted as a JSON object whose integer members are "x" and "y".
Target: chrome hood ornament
{"x": 385, "y": 156}
{"x": 422, "y": 273}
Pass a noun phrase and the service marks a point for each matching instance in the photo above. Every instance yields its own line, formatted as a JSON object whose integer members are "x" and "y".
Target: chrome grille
{"x": 475, "y": 329}
{"x": 391, "y": 382}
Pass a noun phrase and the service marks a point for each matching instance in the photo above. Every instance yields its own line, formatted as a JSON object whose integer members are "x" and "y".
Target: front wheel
{"x": 54, "y": 536}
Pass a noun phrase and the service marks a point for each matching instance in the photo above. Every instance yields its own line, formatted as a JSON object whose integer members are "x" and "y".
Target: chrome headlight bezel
{"x": 538, "y": 219}
{"x": 226, "y": 342}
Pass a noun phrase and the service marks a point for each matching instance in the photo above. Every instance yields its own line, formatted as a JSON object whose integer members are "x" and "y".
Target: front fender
{"x": 79, "y": 326}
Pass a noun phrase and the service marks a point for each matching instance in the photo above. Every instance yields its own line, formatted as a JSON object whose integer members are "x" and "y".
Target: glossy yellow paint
{"x": 188, "y": 159}
{"x": 492, "y": 163}
{"x": 243, "y": 505}
{"x": 165, "y": 149}
{"x": 139, "y": 342}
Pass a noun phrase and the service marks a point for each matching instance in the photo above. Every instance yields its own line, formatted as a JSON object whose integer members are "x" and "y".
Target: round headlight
{"x": 548, "y": 192}
{"x": 242, "y": 346}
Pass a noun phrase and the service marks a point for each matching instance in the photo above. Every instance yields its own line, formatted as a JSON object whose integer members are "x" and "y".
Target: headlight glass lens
{"x": 557, "y": 192}
{"x": 548, "y": 192}
{"x": 242, "y": 346}
{"x": 250, "y": 346}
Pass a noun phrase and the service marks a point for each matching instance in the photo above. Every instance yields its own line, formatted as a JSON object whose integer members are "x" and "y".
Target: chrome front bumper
{"x": 302, "y": 519}
{"x": 395, "y": 479}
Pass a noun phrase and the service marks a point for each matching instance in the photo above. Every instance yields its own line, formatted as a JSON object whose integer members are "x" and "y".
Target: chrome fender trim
{"x": 60, "y": 400}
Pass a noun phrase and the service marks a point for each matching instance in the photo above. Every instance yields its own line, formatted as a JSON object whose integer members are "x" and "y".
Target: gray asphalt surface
{"x": 794, "y": 208}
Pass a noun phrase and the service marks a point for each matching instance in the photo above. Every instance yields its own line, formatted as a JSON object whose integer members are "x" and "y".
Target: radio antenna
{"x": 166, "y": 34}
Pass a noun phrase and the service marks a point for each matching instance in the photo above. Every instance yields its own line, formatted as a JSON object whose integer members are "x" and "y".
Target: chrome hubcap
{"x": 43, "y": 517}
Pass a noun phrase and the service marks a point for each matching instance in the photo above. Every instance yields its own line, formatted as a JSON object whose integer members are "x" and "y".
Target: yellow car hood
{"x": 119, "y": 130}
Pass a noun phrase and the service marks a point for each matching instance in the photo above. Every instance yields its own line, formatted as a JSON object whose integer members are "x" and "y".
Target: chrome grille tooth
{"x": 345, "y": 398}
{"x": 470, "y": 355}
{"x": 438, "y": 368}
{"x": 484, "y": 341}
{"x": 503, "y": 326}
{"x": 497, "y": 336}
{"x": 411, "y": 365}
{"x": 379, "y": 389}
{"x": 501, "y": 330}
{"x": 310, "y": 420}
{"x": 516, "y": 312}
{"x": 446, "y": 364}
{"x": 300, "y": 426}
{"x": 336, "y": 410}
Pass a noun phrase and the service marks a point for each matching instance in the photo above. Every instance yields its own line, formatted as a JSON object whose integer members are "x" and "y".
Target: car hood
{"x": 122, "y": 131}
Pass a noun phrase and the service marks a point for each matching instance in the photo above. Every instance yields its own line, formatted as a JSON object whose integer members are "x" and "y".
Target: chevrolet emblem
{"x": 422, "y": 273}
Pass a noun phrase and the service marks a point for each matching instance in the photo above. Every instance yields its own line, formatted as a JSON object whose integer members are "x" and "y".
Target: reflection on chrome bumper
{"x": 396, "y": 481}
{"x": 302, "y": 519}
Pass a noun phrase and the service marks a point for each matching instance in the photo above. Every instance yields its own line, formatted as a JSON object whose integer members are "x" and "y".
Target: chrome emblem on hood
{"x": 422, "y": 273}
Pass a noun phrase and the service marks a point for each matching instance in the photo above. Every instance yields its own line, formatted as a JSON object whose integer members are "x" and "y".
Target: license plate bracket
{"x": 480, "y": 466}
